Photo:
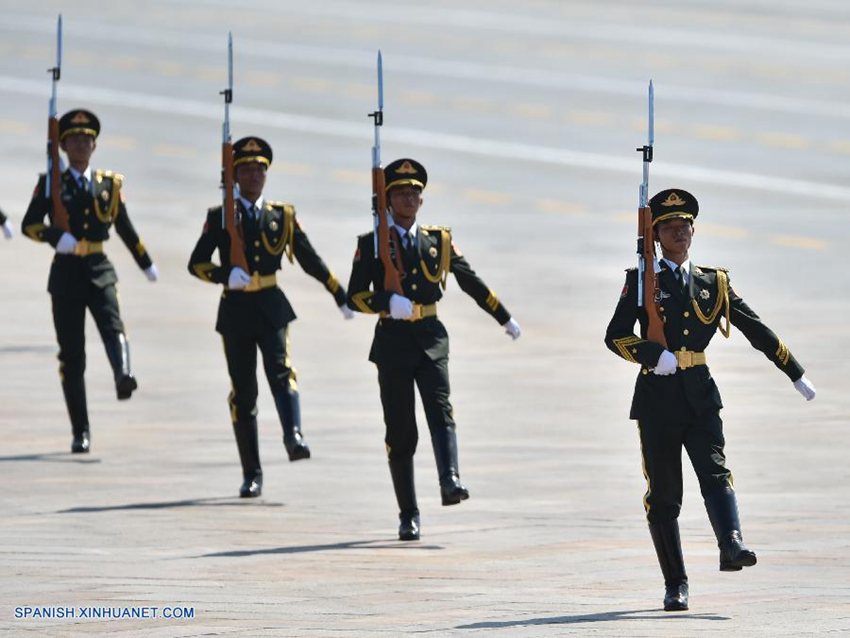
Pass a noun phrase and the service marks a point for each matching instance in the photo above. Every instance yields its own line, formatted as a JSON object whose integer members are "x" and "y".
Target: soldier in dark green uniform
{"x": 81, "y": 275}
{"x": 5, "y": 226}
{"x": 253, "y": 311}
{"x": 411, "y": 344}
{"x": 676, "y": 402}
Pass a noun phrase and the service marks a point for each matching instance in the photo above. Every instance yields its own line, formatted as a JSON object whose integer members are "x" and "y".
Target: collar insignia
{"x": 432, "y": 251}
{"x": 704, "y": 294}
{"x": 273, "y": 225}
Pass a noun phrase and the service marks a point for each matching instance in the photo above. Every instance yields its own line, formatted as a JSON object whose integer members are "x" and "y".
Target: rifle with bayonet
{"x": 648, "y": 267}
{"x": 392, "y": 280}
{"x": 237, "y": 243}
{"x": 53, "y": 179}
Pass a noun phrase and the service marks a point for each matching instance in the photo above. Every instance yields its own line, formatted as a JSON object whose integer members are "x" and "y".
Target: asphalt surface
{"x": 527, "y": 118}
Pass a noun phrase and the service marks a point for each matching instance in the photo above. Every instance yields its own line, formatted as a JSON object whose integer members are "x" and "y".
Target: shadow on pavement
{"x": 192, "y": 502}
{"x": 300, "y": 549}
{"x": 51, "y": 457}
{"x": 606, "y": 616}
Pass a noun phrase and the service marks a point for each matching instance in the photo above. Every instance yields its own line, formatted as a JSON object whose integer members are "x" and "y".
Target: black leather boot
{"x": 401, "y": 470}
{"x": 289, "y": 411}
{"x": 668, "y": 547}
{"x": 75, "y": 400}
{"x": 249, "y": 454}
{"x": 444, "y": 441}
{"x": 722, "y": 508}
{"x": 118, "y": 353}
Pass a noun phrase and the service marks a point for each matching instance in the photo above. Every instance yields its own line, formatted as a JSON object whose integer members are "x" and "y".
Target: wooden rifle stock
{"x": 655, "y": 329}
{"x": 392, "y": 280}
{"x": 237, "y": 243}
{"x": 60, "y": 213}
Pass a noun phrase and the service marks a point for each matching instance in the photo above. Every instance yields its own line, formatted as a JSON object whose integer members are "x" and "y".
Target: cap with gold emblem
{"x": 673, "y": 203}
{"x": 252, "y": 149}
{"x": 79, "y": 121}
{"x": 405, "y": 172}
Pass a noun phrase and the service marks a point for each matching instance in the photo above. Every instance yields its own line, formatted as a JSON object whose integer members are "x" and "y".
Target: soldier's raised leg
{"x": 432, "y": 378}
{"x": 704, "y": 442}
{"x": 284, "y": 388}
{"x": 107, "y": 315}
{"x": 399, "y": 403}
{"x": 241, "y": 353}
{"x": 69, "y": 315}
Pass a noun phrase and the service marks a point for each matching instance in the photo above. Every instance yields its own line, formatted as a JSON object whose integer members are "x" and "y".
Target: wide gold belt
{"x": 260, "y": 282}
{"x": 86, "y": 247}
{"x": 688, "y": 359}
{"x": 420, "y": 311}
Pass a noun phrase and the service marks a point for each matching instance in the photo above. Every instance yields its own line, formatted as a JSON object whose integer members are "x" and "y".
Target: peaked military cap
{"x": 252, "y": 149}
{"x": 673, "y": 203}
{"x": 79, "y": 121}
{"x": 405, "y": 172}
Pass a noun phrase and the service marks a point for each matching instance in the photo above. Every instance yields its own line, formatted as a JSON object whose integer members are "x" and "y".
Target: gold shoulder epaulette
{"x": 281, "y": 205}
{"x": 436, "y": 229}
{"x": 713, "y": 268}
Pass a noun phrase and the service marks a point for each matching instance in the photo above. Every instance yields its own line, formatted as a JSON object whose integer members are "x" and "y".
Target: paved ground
{"x": 526, "y": 119}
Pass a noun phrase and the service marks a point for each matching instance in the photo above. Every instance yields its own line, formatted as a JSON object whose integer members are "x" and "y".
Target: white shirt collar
{"x": 686, "y": 266}
{"x": 402, "y": 231}
{"x": 247, "y": 203}
{"x": 76, "y": 174}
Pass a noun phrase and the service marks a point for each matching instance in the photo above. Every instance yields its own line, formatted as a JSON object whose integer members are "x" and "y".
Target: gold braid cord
{"x": 115, "y": 196}
{"x": 442, "y": 274}
{"x": 287, "y": 237}
{"x": 722, "y": 300}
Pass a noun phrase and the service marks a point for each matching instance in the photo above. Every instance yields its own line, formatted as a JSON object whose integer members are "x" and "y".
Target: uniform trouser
{"x": 399, "y": 402}
{"x": 661, "y": 449}
{"x": 240, "y": 349}
{"x": 69, "y": 320}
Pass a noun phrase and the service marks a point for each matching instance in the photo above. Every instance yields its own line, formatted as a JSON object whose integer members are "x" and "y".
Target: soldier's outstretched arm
{"x": 314, "y": 265}
{"x": 620, "y": 336}
{"x": 127, "y": 233}
{"x": 761, "y": 337}
{"x": 200, "y": 262}
{"x": 475, "y": 287}
{"x": 361, "y": 296}
{"x": 33, "y": 225}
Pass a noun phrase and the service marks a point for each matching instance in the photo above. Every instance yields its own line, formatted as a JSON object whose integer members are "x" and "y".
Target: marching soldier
{"x": 8, "y": 233}
{"x": 81, "y": 275}
{"x": 411, "y": 344}
{"x": 676, "y": 401}
{"x": 253, "y": 311}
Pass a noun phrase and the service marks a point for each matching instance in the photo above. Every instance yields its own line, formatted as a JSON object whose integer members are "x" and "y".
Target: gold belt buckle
{"x": 686, "y": 359}
{"x": 82, "y": 248}
{"x": 254, "y": 284}
{"x": 417, "y": 312}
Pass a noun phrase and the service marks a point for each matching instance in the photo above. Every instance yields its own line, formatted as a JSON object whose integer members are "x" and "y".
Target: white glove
{"x": 238, "y": 279}
{"x": 7, "y": 230}
{"x": 400, "y": 307}
{"x": 152, "y": 273}
{"x": 667, "y": 364}
{"x": 347, "y": 312}
{"x": 67, "y": 244}
{"x": 805, "y": 387}
{"x": 512, "y": 328}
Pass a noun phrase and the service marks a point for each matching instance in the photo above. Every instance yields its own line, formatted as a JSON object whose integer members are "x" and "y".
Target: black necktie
{"x": 680, "y": 277}
{"x": 83, "y": 183}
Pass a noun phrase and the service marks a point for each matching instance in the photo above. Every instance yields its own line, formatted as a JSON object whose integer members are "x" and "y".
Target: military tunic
{"x": 77, "y": 282}
{"x": 250, "y": 319}
{"x": 408, "y": 352}
{"x": 683, "y": 408}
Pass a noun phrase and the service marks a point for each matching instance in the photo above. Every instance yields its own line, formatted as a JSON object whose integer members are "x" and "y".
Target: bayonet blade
{"x": 651, "y": 114}
{"x": 59, "y": 44}
{"x": 380, "y": 81}
{"x": 230, "y": 62}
